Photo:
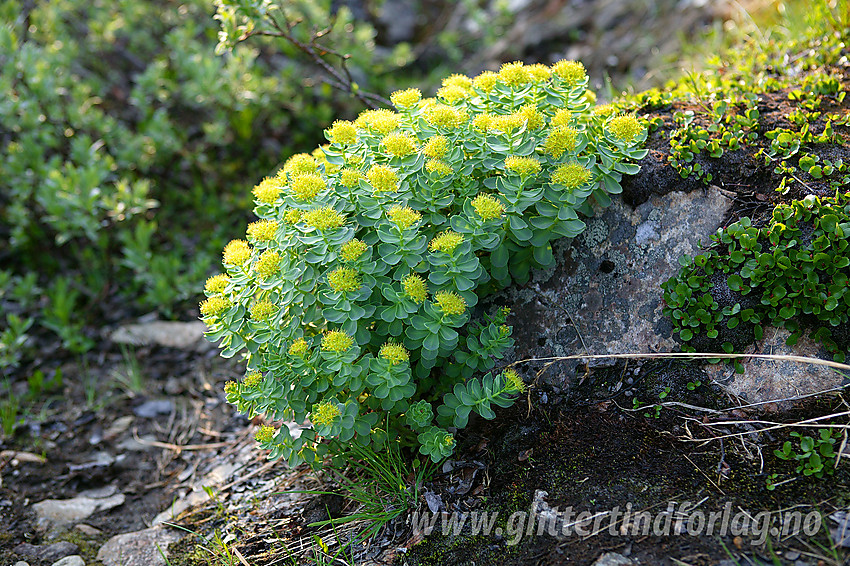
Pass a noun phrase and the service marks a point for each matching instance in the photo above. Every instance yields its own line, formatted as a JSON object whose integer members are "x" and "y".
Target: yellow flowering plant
{"x": 352, "y": 298}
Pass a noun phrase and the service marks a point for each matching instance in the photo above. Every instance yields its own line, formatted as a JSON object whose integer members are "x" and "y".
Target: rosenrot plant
{"x": 351, "y": 295}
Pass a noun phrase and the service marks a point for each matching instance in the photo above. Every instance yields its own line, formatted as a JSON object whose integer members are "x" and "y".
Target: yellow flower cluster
{"x": 450, "y": 303}
{"x": 262, "y": 230}
{"x": 571, "y": 175}
{"x": 337, "y": 341}
{"x": 350, "y": 177}
{"x": 236, "y": 252}
{"x": 292, "y": 216}
{"x": 265, "y": 434}
{"x": 571, "y": 72}
{"x": 415, "y": 288}
{"x": 522, "y": 166}
{"x": 324, "y": 218}
{"x": 445, "y": 242}
{"x": 538, "y": 72}
{"x": 482, "y": 122}
{"x": 485, "y": 81}
{"x": 216, "y": 284}
{"x": 514, "y": 74}
{"x": 267, "y": 191}
{"x": 445, "y": 117}
{"x": 605, "y": 110}
{"x": 513, "y": 380}
{"x": 262, "y": 310}
{"x": 352, "y": 250}
{"x": 560, "y": 139}
{"x": 298, "y": 348}
{"x": 562, "y": 117}
{"x": 403, "y": 216}
{"x": 532, "y": 116}
{"x": 299, "y": 164}
{"x": 453, "y": 94}
{"x": 382, "y": 120}
{"x": 253, "y": 379}
{"x": 458, "y": 80}
{"x": 436, "y": 148}
{"x": 306, "y": 186}
{"x": 438, "y": 167}
{"x": 325, "y": 413}
{"x": 406, "y": 98}
{"x": 395, "y": 353}
{"x": 399, "y": 144}
{"x": 214, "y": 306}
{"x": 231, "y": 387}
{"x": 382, "y": 178}
{"x": 507, "y": 123}
{"x": 267, "y": 264}
{"x": 487, "y": 207}
{"x": 344, "y": 280}
{"x": 625, "y": 128}
{"x": 343, "y": 132}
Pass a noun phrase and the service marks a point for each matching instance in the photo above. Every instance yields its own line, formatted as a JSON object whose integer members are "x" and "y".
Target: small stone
{"x": 88, "y": 530}
{"x": 63, "y": 512}
{"x": 74, "y": 560}
{"x": 154, "y": 408}
{"x": 181, "y": 335}
{"x": 613, "y": 559}
{"x": 117, "y": 427}
{"x": 21, "y": 563}
{"x": 140, "y": 548}
{"x": 46, "y": 552}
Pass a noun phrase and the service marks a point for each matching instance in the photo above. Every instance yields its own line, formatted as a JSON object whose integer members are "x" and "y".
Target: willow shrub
{"x": 351, "y": 295}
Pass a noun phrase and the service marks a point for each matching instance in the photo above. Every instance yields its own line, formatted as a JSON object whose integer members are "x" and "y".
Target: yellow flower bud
{"x": 507, "y": 123}
{"x": 267, "y": 264}
{"x": 344, "y": 280}
{"x": 446, "y": 242}
{"x": 262, "y": 310}
{"x": 395, "y": 353}
{"x": 253, "y": 379}
{"x": 236, "y": 252}
{"x": 438, "y": 167}
{"x": 352, "y": 250}
{"x": 300, "y": 164}
{"x": 514, "y": 74}
{"x": 415, "y": 288}
{"x": 406, "y": 98}
{"x": 561, "y": 139}
{"x": 403, "y": 216}
{"x": 625, "y": 128}
{"x": 324, "y": 218}
{"x": 436, "y": 148}
{"x": 571, "y": 72}
{"x": 538, "y": 72}
{"x": 299, "y": 348}
{"x": 324, "y": 413}
{"x": 350, "y": 177}
{"x": 383, "y": 121}
{"x": 450, "y": 303}
{"x": 457, "y": 80}
{"x": 268, "y": 190}
{"x": 399, "y": 144}
{"x": 571, "y": 176}
{"x": 306, "y": 186}
{"x": 562, "y": 117}
{"x": 265, "y": 434}
{"x": 343, "y": 132}
{"x": 453, "y": 94}
{"x": 532, "y": 116}
{"x": 262, "y": 230}
{"x": 337, "y": 341}
{"x": 382, "y": 178}
{"x": 522, "y": 166}
{"x": 214, "y": 306}
{"x": 216, "y": 284}
{"x": 446, "y": 117}
{"x": 485, "y": 81}
{"x": 488, "y": 207}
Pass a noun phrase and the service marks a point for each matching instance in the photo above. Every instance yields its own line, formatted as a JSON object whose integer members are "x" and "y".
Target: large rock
{"x": 148, "y": 547}
{"x": 604, "y": 297}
